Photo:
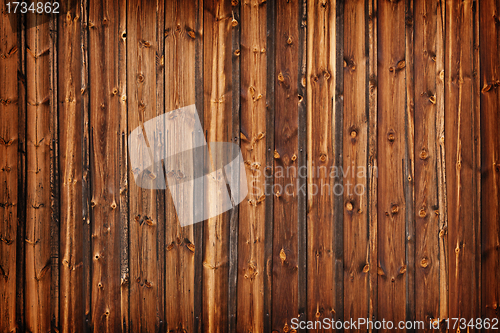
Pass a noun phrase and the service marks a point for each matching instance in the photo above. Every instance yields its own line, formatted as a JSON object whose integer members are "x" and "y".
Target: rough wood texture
{"x": 426, "y": 168}
{"x": 407, "y": 90}
{"x": 355, "y": 166}
{"x": 285, "y": 236}
{"x": 320, "y": 94}
{"x": 10, "y": 170}
{"x": 490, "y": 157}
{"x": 181, "y": 38}
{"x": 460, "y": 160}
{"x": 146, "y": 212}
{"x": 391, "y": 158}
{"x": 39, "y": 138}
{"x": 252, "y": 223}
{"x": 104, "y": 165}
{"x": 71, "y": 168}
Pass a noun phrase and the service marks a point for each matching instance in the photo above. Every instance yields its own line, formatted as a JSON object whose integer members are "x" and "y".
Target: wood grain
{"x": 285, "y": 237}
{"x": 217, "y": 66}
{"x": 39, "y": 138}
{"x": 490, "y": 157}
{"x": 10, "y": 140}
{"x": 320, "y": 94}
{"x": 252, "y": 223}
{"x": 391, "y": 157}
{"x": 71, "y": 168}
{"x": 460, "y": 161}
{"x": 355, "y": 163}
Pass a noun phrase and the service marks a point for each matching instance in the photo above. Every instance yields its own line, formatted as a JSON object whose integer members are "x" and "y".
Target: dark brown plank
{"x": 181, "y": 38}
{"x": 285, "y": 237}
{"x": 71, "y": 167}
{"x": 490, "y": 143}
{"x": 391, "y": 157}
{"x": 39, "y": 141}
{"x": 355, "y": 163}
{"x": 252, "y": 223}
{"x": 321, "y": 72}
{"x": 9, "y": 168}
{"x": 460, "y": 161}
{"x": 104, "y": 165}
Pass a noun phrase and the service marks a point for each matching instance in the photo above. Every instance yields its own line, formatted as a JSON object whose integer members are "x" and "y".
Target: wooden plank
{"x": 10, "y": 170}
{"x": 302, "y": 196}
{"x": 355, "y": 163}
{"x": 182, "y": 36}
{"x": 104, "y": 164}
{"x": 285, "y": 237}
{"x": 372, "y": 160}
{"x": 124, "y": 175}
{"x": 443, "y": 251}
{"x": 409, "y": 165}
{"x": 490, "y": 142}
{"x": 269, "y": 169}
{"x": 217, "y": 66}
{"x": 321, "y": 73}
{"x": 71, "y": 167}
{"x": 86, "y": 184}
{"x": 39, "y": 138}
{"x": 146, "y": 212}
{"x": 252, "y": 223}
{"x": 338, "y": 149}
{"x": 459, "y": 129}
{"x": 426, "y": 169}
{"x": 391, "y": 158}
{"x": 235, "y": 138}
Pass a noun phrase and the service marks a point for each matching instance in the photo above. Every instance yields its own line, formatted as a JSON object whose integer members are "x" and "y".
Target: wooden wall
{"x": 407, "y": 90}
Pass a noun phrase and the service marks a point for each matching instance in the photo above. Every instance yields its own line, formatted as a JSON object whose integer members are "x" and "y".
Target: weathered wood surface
{"x": 408, "y": 91}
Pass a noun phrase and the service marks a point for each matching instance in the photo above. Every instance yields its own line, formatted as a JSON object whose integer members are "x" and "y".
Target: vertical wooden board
{"x": 355, "y": 163}
{"x": 490, "y": 143}
{"x": 146, "y": 213}
{"x": 70, "y": 144}
{"x": 372, "y": 159}
{"x": 251, "y": 242}
{"x": 38, "y": 216}
{"x": 124, "y": 176}
{"x": 181, "y": 35}
{"x": 104, "y": 165}
{"x": 9, "y": 168}
{"x": 321, "y": 76}
{"x": 218, "y": 22}
{"x": 459, "y": 131}
{"x": 426, "y": 189}
{"x": 391, "y": 151}
{"x": 285, "y": 237}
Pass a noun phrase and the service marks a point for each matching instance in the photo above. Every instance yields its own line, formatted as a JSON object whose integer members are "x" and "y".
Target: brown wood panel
{"x": 10, "y": 170}
{"x": 355, "y": 166}
{"x": 426, "y": 172}
{"x": 38, "y": 216}
{"x": 391, "y": 157}
{"x": 146, "y": 206}
{"x": 460, "y": 160}
{"x": 71, "y": 168}
{"x": 320, "y": 94}
{"x": 490, "y": 157}
{"x": 104, "y": 125}
{"x": 217, "y": 66}
{"x": 181, "y": 38}
{"x": 285, "y": 237}
{"x": 251, "y": 242}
